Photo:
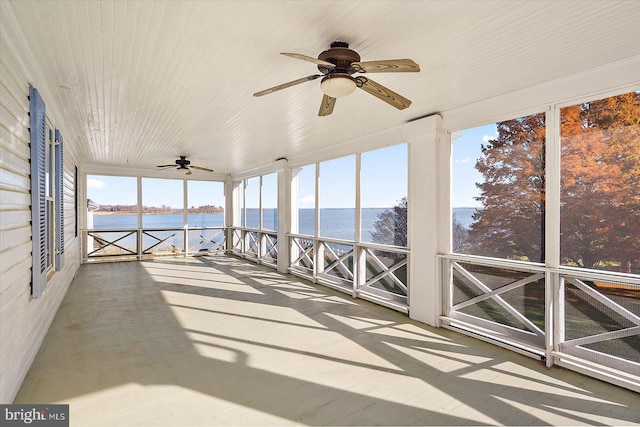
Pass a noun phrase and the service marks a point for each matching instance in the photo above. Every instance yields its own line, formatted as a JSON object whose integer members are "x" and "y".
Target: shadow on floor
{"x": 242, "y": 344}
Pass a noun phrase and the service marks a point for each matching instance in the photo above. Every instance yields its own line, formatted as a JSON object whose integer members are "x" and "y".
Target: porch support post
{"x": 229, "y": 213}
{"x": 427, "y": 219}
{"x": 284, "y": 214}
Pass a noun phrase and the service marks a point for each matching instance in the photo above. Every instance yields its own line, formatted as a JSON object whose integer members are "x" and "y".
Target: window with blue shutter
{"x": 39, "y": 224}
{"x": 59, "y": 201}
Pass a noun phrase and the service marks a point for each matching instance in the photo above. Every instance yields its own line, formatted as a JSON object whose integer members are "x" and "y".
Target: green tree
{"x": 390, "y": 227}
{"x": 460, "y": 236}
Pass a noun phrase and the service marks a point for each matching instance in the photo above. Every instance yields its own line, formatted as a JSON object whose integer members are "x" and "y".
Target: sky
{"x": 464, "y": 176}
{"x": 112, "y": 190}
{"x": 383, "y": 181}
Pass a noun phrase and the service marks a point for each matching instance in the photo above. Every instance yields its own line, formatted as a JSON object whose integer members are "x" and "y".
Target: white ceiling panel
{"x": 141, "y": 82}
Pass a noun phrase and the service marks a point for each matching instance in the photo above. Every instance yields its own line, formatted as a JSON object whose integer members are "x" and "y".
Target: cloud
{"x": 488, "y": 138}
{"x": 462, "y": 161}
{"x": 307, "y": 200}
{"x": 96, "y": 183}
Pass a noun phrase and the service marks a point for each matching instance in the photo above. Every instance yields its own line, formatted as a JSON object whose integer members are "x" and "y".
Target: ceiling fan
{"x": 337, "y": 65}
{"x": 183, "y": 164}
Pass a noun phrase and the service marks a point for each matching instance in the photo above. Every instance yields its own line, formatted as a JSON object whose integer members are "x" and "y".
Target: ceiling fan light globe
{"x": 338, "y": 86}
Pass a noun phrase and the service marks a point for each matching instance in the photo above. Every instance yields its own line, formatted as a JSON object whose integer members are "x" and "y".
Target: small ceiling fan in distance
{"x": 183, "y": 164}
{"x": 337, "y": 65}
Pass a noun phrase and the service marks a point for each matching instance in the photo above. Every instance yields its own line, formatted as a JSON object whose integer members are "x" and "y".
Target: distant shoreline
{"x": 114, "y": 213}
{"x": 105, "y": 213}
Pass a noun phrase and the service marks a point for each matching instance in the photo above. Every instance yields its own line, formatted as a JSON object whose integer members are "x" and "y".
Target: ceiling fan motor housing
{"x": 341, "y": 56}
{"x": 183, "y": 163}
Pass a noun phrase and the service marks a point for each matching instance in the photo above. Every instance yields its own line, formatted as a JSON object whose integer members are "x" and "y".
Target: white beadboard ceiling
{"x": 141, "y": 82}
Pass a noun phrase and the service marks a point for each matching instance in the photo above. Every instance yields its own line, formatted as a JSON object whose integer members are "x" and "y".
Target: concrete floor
{"x": 220, "y": 341}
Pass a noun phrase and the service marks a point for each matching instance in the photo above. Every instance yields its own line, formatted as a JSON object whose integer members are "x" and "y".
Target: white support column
{"x": 293, "y": 200}
{"x": 552, "y": 189}
{"x": 444, "y": 146}
{"x": 229, "y": 207}
{"x": 317, "y": 202}
{"x": 83, "y": 213}
{"x": 230, "y": 212}
{"x": 260, "y": 213}
{"x": 318, "y": 249}
{"x": 185, "y": 216}
{"x": 140, "y": 249}
{"x": 359, "y": 264}
{"x": 425, "y": 216}
{"x": 139, "y": 184}
{"x": 284, "y": 213}
{"x": 294, "y": 219}
{"x": 554, "y": 284}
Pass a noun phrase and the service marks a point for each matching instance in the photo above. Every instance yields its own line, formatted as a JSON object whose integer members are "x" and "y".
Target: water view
{"x": 335, "y": 223}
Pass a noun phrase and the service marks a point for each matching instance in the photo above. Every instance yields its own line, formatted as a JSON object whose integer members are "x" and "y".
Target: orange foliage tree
{"x": 600, "y": 184}
{"x": 600, "y": 187}
{"x": 510, "y": 223}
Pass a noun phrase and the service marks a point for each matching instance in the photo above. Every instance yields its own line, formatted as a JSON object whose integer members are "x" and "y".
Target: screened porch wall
{"x": 429, "y": 215}
{"x": 430, "y": 183}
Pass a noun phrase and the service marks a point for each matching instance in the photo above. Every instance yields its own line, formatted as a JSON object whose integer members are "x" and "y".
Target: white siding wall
{"x": 23, "y": 320}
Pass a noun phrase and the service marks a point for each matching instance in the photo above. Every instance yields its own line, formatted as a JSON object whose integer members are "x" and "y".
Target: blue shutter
{"x": 38, "y": 196}
{"x": 59, "y": 204}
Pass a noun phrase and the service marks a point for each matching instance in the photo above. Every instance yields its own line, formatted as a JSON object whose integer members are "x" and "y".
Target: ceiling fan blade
{"x": 383, "y": 93}
{"x": 326, "y": 107}
{"x": 165, "y": 166}
{"x": 286, "y": 85}
{"x": 309, "y": 59}
{"x": 188, "y": 172}
{"x": 201, "y": 168}
{"x": 388, "y": 66}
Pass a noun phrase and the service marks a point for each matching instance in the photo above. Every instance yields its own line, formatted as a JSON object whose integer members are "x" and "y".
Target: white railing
{"x": 582, "y": 319}
{"x": 503, "y": 299}
{"x": 601, "y": 321}
{"x": 366, "y": 270}
{"x": 114, "y": 244}
{"x": 260, "y": 246}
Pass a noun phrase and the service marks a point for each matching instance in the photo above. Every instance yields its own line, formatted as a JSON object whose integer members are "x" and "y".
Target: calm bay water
{"x": 336, "y": 223}
{"x": 464, "y": 216}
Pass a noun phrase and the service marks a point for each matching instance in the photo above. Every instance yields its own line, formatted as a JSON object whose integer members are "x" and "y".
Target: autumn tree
{"x": 510, "y": 223}
{"x": 600, "y": 187}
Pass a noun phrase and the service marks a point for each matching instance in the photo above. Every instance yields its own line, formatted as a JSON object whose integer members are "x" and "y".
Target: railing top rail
{"x": 376, "y": 246}
{"x": 211, "y": 227}
{"x": 301, "y": 236}
{"x": 336, "y": 241}
{"x": 254, "y": 230}
{"x": 385, "y": 248}
{"x": 121, "y": 230}
{"x": 495, "y": 262}
{"x": 109, "y": 230}
{"x": 604, "y": 276}
{"x": 581, "y": 273}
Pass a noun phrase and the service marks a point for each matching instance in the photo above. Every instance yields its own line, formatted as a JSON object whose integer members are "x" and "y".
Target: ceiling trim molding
{"x": 361, "y": 144}
{"x": 95, "y": 169}
{"x": 603, "y": 81}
